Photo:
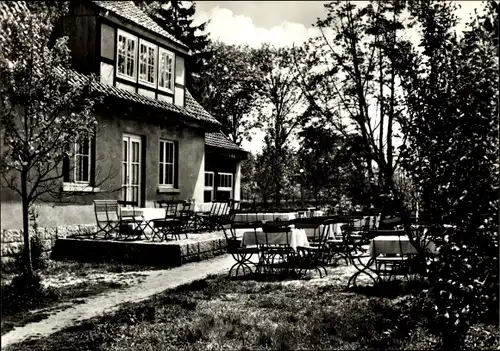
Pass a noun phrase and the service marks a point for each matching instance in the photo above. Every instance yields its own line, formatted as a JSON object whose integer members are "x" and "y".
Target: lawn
{"x": 64, "y": 283}
{"x": 222, "y": 313}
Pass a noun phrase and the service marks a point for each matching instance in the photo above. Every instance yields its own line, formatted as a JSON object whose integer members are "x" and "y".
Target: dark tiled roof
{"x": 128, "y": 10}
{"x": 192, "y": 110}
{"x": 219, "y": 140}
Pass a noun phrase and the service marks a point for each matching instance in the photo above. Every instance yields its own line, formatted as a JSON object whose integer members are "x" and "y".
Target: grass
{"x": 221, "y": 313}
{"x": 79, "y": 269}
{"x": 17, "y": 314}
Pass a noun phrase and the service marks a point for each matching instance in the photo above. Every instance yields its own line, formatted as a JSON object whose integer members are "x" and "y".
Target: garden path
{"x": 155, "y": 282}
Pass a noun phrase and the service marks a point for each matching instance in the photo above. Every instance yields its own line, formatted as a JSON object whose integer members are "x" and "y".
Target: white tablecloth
{"x": 254, "y": 217}
{"x": 335, "y": 231}
{"x": 389, "y": 244}
{"x": 148, "y": 212}
{"x": 296, "y": 237}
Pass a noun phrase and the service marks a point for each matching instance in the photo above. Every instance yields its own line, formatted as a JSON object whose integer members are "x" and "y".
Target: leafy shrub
{"x": 22, "y": 292}
{"x": 38, "y": 258}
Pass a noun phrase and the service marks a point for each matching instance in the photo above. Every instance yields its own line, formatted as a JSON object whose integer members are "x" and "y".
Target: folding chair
{"x": 132, "y": 226}
{"x": 276, "y": 256}
{"x": 172, "y": 223}
{"x": 242, "y": 255}
{"x": 315, "y": 257}
{"x": 107, "y": 217}
{"x": 391, "y": 264}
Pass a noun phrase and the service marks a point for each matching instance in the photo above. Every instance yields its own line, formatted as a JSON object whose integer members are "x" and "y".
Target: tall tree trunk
{"x": 381, "y": 179}
{"x": 390, "y": 171}
{"x": 26, "y": 224}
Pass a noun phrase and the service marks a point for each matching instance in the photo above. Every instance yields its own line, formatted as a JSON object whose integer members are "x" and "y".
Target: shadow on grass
{"x": 390, "y": 289}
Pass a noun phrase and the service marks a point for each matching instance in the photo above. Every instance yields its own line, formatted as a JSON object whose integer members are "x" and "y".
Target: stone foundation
{"x": 13, "y": 242}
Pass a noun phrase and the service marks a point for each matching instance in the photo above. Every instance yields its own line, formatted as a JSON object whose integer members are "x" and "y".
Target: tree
{"x": 350, "y": 79}
{"x": 177, "y": 17}
{"x": 264, "y": 166}
{"x": 232, "y": 86}
{"x": 318, "y": 158}
{"x": 452, "y": 157}
{"x": 283, "y": 104}
{"x": 44, "y": 106}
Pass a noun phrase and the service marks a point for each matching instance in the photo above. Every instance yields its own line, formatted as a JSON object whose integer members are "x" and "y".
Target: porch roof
{"x": 128, "y": 10}
{"x": 220, "y": 140}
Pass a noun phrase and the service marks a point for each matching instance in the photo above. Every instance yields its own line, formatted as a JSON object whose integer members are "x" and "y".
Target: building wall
{"x": 112, "y": 125}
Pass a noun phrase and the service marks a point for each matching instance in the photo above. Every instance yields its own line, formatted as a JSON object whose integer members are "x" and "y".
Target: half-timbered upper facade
{"x": 153, "y": 140}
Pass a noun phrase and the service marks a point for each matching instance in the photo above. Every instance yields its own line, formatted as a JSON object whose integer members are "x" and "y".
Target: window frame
{"x": 164, "y": 163}
{"x": 172, "y": 70}
{"x": 156, "y": 63}
{"x": 209, "y": 188}
{"x": 225, "y": 188}
{"x": 69, "y": 169}
{"x": 76, "y": 164}
{"x": 135, "y": 65}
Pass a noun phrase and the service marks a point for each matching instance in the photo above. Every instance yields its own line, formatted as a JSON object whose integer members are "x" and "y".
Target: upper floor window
{"x": 166, "y": 71}
{"x": 166, "y": 163}
{"x": 126, "y": 55}
{"x": 147, "y": 63}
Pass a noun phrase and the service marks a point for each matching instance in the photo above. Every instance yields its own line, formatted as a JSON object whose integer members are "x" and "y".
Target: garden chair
{"x": 107, "y": 217}
{"x": 360, "y": 258}
{"x": 132, "y": 226}
{"x": 315, "y": 257}
{"x": 389, "y": 265}
{"x": 338, "y": 246}
{"x": 276, "y": 257}
{"x": 310, "y": 224}
{"x": 242, "y": 255}
{"x": 211, "y": 220}
{"x": 174, "y": 223}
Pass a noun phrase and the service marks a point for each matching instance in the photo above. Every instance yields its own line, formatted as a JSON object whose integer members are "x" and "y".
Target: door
{"x": 131, "y": 168}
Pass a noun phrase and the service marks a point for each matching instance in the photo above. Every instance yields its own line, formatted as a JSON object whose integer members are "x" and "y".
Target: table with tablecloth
{"x": 335, "y": 231}
{"x": 394, "y": 244}
{"x": 296, "y": 237}
{"x": 270, "y": 216}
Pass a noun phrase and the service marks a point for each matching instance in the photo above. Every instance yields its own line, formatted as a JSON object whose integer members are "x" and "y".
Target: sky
{"x": 281, "y": 23}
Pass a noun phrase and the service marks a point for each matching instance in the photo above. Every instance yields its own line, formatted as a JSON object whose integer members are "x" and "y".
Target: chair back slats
{"x": 276, "y": 227}
{"x": 106, "y": 210}
{"x": 171, "y": 207}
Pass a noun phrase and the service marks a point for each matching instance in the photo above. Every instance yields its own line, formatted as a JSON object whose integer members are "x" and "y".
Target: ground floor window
{"x": 208, "y": 195}
{"x": 224, "y": 187}
{"x": 167, "y": 162}
{"x": 218, "y": 186}
{"x": 77, "y": 167}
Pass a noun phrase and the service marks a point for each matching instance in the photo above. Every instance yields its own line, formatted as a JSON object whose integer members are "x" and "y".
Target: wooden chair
{"x": 389, "y": 265}
{"x": 211, "y": 220}
{"x": 171, "y": 224}
{"x": 315, "y": 257}
{"x": 132, "y": 226}
{"x": 313, "y": 223}
{"x": 276, "y": 257}
{"x": 242, "y": 255}
{"x": 107, "y": 217}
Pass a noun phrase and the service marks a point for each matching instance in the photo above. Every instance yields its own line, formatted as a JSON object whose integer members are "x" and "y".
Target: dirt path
{"x": 154, "y": 283}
